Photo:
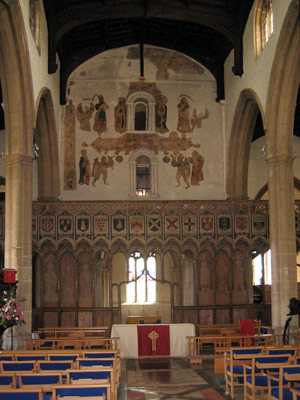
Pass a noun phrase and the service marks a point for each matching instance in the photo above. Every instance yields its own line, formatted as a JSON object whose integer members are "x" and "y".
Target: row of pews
{"x": 52, "y": 375}
{"x": 264, "y": 372}
{"x": 60, "y": 338}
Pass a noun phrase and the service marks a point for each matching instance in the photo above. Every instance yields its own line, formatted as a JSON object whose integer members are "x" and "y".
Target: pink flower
{"x": 21, "y": 317}
{"x": 8, "y": 317}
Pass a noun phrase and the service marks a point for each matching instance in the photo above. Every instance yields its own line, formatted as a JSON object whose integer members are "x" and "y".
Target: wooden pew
{"x": 24, "y": 394}
{"x": 17, "y": 366}
{"x": 82, "y": 392}
{"x": 43, "y": 381}
{"x": 94, "y": 376}
{"x": 7, "y": 381}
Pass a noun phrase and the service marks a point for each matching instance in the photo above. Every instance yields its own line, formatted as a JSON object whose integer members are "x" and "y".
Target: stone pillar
{"x": 282, "y": 238}
{"x": 18, "y": 235}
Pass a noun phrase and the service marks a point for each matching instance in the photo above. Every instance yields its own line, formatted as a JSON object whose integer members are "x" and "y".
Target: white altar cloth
{"x": 128, "y": 343}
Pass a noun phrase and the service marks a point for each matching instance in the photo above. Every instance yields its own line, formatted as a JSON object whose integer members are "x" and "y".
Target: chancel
{"x": 149, "y": 180}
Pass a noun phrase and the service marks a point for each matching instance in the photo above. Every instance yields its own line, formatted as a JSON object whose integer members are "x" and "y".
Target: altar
{"x": 128, "y": 342}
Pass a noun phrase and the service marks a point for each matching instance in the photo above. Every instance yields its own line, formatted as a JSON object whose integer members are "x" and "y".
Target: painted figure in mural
{"x": 183, "y": 124}
{"x": 183, "y": 169}
{"x": 84, "y": 114}
{"x": 100, "y": 168}
{"x": 197, "y": 162}
{"x": 161, "y": 114}
{"x": 120, "y": 115}
{"x": 100, "y": 116}
{"x": 196, "y": 119}
{"x": 84, "y": 169}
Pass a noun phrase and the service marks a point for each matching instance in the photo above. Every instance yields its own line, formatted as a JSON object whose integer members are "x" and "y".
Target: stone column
{"x": 282, "y": 238}
{"x": 18, "y": 235}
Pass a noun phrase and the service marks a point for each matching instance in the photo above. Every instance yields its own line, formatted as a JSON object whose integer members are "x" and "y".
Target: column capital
{"x": 280, "y": 159}
{"x": 17, "y": 158}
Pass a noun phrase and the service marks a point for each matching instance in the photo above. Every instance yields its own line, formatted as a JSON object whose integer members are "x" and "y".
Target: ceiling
{"x": 206, "y": 30}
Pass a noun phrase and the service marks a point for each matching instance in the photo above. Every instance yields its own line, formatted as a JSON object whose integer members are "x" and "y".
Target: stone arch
{"x": 17, "y": 90}
{"x": 280, "y": 108}
{"x": 247, "y": 109}
{"x": 264, "y": 189}
{"x": 46, "y": 140}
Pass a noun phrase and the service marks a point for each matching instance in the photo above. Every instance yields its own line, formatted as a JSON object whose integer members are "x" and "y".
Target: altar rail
{"x": 224, "y": 329}
{"x": 222, "y": 344}
{"x": 71, "y": 332}
{"x": 77, "y": 343}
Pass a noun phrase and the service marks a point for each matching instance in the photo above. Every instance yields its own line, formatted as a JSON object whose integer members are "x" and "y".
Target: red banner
{"x": 153, "y": 340}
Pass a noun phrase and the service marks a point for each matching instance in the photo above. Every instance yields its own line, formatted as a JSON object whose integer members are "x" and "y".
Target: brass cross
{"x": 153, "y": 336}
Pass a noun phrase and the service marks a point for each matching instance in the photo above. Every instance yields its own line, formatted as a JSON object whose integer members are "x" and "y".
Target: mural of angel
{"x": 100, "y": 168}
{"x": 196, "y": 119}
{"x": 100, "y": 116}
{"x": 183, "y": 169}
{"x": 84, "y": 169}
{"x": 120, "y": 115}
{"x": 83, "y": 115}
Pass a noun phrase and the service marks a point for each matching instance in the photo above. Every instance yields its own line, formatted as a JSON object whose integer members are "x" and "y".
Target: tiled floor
{"x": 171, "y": 378}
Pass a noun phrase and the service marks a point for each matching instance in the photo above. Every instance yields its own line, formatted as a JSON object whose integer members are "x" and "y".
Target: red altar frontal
{"x": 153, "y": 340}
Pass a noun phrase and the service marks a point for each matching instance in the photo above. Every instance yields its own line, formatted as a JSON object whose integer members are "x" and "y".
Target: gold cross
{"x": 153, "y": 336}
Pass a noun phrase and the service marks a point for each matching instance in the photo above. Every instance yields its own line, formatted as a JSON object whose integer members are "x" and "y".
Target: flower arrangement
{"x": 10, "y": 313}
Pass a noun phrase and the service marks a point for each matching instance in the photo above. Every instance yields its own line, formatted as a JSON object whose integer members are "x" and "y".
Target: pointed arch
{"x": 247, "y": 108}
{"x": 46, "y": 140}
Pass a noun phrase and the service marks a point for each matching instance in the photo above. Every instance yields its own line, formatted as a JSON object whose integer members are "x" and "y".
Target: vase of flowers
{"x": 10, "y": 313}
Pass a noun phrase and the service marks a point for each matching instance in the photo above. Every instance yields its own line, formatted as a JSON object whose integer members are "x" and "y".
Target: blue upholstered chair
{"x": 255, "y": 378}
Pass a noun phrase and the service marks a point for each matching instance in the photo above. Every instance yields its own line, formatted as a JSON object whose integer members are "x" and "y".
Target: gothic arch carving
{"x": 190, "y": 244}
{"x": 247, "y": 108}
{"x": 46, "y": 139}
{"x": 173, "y": 244}
{"x": 64, "y": 246}
{"x": 225, "y": 244}
{"x": 83, "y": 245}
{"x": 101, "y": 245}
{"x": 47, "y": 245}
{"x": 137, "y": 245}
{"x": 155, "y": 245}
{"x": 207, "y": 243}
{"x": 261, "y": 245}
{"x": 119, "y": 245}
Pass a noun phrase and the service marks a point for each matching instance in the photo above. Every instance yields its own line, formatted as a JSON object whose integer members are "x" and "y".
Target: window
{"x": 143, "y": 289}
{"x": 140, "y": 117}
{"x": 140, "y": 114}
{"x": 143, "y": 176}
{"x": 34, "y": 22}
{"x": 263, "y": 24}
{"x": 262, "y": 279}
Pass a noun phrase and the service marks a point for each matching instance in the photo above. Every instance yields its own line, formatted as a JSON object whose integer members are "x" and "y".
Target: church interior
{"x": 149, "y": 166}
